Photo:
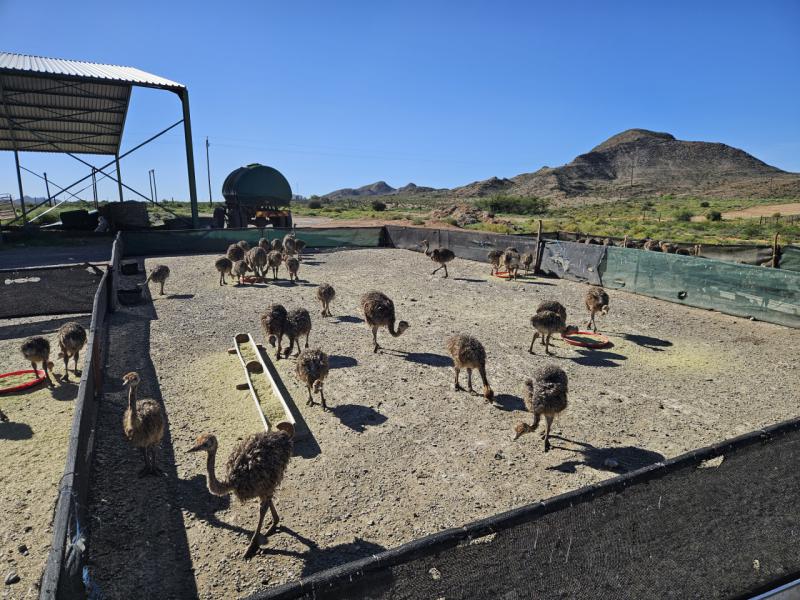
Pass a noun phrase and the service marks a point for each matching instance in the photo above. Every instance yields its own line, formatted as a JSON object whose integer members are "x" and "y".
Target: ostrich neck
{"x": 214, "y": 485}
{"x": 132, "y": 398}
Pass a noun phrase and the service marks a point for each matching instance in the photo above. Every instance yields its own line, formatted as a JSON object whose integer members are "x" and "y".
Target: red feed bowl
{"x": 596, "y": 340}
{"x": 39, "y": 378}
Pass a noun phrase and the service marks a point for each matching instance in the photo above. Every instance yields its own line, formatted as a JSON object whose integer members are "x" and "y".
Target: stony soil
{"x": 401, "y": 454}
{"x": 33, "y": 450}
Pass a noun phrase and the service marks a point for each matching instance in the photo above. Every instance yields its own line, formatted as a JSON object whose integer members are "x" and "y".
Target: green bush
{"x": 378, "y": 205}
{"x": 515, "y": 205}
{"x": 684, "y": 216}
{"x": 315, "y": 204}
{"x": 714, "y": 215}
{"x": 704, "y": 204}
{"x": 418, "y": 221}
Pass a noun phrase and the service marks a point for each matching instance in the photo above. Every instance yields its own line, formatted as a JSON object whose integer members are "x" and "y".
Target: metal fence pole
{"x": 187, "y": 134}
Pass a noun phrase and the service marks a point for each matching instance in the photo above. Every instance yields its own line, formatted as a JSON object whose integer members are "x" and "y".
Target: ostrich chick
{"x": 292, "y": 265}
{"x": 71, "y": 340}
{"x": 289, "y": 244}
{"x": 546, "y": 323}
{"x": 239, "y": 270}
{"x": 274, "y": 259}
{"x": 468, "y": 353}
{"x": 495, "y": 256}
{"x": 224, "y": 266}
{"x": 511, "y": 262}
{"x": 256, "y": 259}
{"x": 312, "y": 369}
{"x": 546, "y": 395}
{"x": 243, "y": 245}
{"x": 159, "y": 274}
{"x": 553, "y": 306}
{"x": 37, "y": 350}
{"x": 298, "y": 322}
{"x": 274, "y": 325}
{"x": 235, "y": 253}
{"x": 276, "y": 245}
{"x": 526, "y": 260}
{"x": 325, "y": 295}
{"x": 596, "y": 302}
{"x": 440, "y": 256}
{"x": 143, "y": 424}
{"x": 264, "y": 243}
{"x": 379, "y": 312}
{"x": 299, "y": 245}
{"x": 255, "y": 468}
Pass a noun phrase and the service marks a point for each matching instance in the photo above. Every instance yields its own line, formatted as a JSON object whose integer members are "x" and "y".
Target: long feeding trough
{"x": 261, "y": 375}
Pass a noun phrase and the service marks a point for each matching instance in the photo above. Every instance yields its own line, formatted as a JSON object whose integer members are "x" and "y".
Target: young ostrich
{"x": 256, "y": 259}
{"x": 526, "y": 260}
{"x": 239, "y": 270}
{"x": 596, "y": 302}
{"x": 440, "y": 256}
{"x": 235, "y": 253}
{"x": 495, "y": 256}
{"x": 292, "y": 265}
{"x": 37, "y": 350}
{"x": 468, "y": 353}
{"x": 289, "y": 244}
{"x": 546, "y": 323}
{"x": 143, "y": 424}
{"x": 276, "y": 245}
{"x": 274, "y": 259}
{"x": 224, "y": 266}
{"x": 312, "y": 369}
{"x": 652, "y": 245}
{"x": 298, "y": 322}
{"x": 553, "y": 306}
{"x": 299, "y": 245}
{"x": 159, "y": 274}
{"x": 243, "y": 245}
{"x": 254, "y": 469}
{"x": 274, "y": 325}
{"x": 325, "y": 295}
{"x": 511, "y": 262}
{"x": 71, "y": 340}
{"x": 379, "y": 312}
{"x": 264, "y": 243}
{"x": 546, "y": 395}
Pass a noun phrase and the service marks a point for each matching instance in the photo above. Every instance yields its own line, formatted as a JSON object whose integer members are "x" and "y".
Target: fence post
{"x": 776, "y": 253}
{"x": 539, "y": 249}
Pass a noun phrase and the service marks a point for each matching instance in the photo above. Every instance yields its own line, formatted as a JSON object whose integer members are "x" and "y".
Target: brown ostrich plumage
{"x": 239, "y": 270}
{"x": 274, "y": 260}
{"x": 245, "y": 246}
{"x": 379, "y": 312}
{"x": 546, "y": 323}
{"x": 37, "y": 350}
{"x": 264, "y": 243}
{"x": 325, "y": 295}
{"x": 298, "y": 323}
{"x": 511, "y": 262}
{"x": 596, "y": 302}
{"x": 312, "y": 369}
{"x": 468, "y": 353}
{"x": 159, "y": 274}
{"x": 495, "y": 256}
{"x": 71, "y": 340}
{"x": 224, "y": 266}
{"x": 274, "y": 324}
{"x": 292, "y": 265}
{"x": 254, "y": 469}
{"x": 440, "y": 256}
{"x": 289, "y": 246}
{"x": 256, "y": 259}
{"x": 553, "y": 306}
{"x": 545, "y": 395}
{"x": 235, "y": 252}
{"x": 526, "y": 260}
{"x": 143, "y": 424}
{"x": 276, "y": 245}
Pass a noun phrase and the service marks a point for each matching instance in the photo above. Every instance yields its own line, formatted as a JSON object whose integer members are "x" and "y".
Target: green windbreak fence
{"x": 790, "y": 258}
{"x": 766, "y": 294}
{"x": 140, "y": 243}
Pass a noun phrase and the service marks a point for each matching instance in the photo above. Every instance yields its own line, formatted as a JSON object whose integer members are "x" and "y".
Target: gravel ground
{"x": 401, "y": 454}
{"x": 33, "y": 450}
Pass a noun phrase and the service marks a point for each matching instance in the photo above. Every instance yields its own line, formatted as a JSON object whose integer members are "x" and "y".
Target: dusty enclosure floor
{"x": 33, "y": 451}
{"x": 401, "y": 454}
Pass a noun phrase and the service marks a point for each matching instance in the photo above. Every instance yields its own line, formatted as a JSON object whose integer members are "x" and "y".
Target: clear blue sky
{"x": 339, "y": 94}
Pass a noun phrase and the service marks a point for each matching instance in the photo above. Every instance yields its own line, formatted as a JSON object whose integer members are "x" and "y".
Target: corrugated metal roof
{"x": 24, "y": 64}
{"x": 55, "y": 105}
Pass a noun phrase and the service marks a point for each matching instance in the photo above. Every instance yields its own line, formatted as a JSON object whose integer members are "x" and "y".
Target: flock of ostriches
{"x": 257, "y": 464}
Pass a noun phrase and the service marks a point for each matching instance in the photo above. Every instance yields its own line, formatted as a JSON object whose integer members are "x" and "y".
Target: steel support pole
{"x": 119, "y": 177}
{"x": 187, "y": 134}
{"x": 21, "y": 193}
{"x": 208, "y": 170}
{"x": 155, "y": 188}
{"x": 47, "y": 187}
{"x": 94, "y": 187}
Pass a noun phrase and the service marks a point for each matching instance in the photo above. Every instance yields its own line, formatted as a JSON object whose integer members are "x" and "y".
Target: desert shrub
{"x": 378, "y": 205}
{"x": 418, "y": 221}
{"x": 776, "y": 215}
{"x": 704, "y": 204}
{"x": 451, "y": 221}
{"x": 714, "y": 215}
{"x": 684, "y": 216}
{"x": 515, "y": 205}
{"x": 315, "y": 204}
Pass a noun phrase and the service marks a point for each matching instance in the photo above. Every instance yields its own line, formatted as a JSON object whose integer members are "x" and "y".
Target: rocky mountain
{"x": 638, "y": 163}
{"x": 631, "y": 164}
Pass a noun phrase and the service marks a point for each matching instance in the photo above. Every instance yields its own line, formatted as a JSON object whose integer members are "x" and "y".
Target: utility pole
{"x": 208, "y": 170}
{"x": 155, "y": 189}
{"x": 150, "y": 179}
{"x": 47, "y": 187}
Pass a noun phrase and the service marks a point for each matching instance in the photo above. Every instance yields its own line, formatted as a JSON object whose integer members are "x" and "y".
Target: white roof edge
{"x": 40, "y": 65}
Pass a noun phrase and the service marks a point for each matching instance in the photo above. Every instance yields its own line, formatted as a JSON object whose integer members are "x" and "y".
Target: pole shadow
{"x": 348, "y": 319}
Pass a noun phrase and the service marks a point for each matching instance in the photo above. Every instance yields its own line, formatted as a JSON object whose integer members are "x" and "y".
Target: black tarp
{"x": 48, "y": 290}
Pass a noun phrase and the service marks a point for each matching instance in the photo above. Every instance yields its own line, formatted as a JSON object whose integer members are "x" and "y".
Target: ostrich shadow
{"x": 509, "y": 402}
{"x": 469, "y": 280}
{"x": 645, "y": 341}
{"x": 15, "y": 431}
{"x": 357, "y": 417}
{"x": 598, "y": 358}
{"x": 194, "y": 497}
{"x": 348, "y": 319}
{"x": 336, "y": 361}
{"x": 628, "y": 458}
{"x": 422, "y": 358}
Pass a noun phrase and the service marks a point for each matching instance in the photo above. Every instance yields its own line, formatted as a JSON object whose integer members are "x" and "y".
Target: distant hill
{"x": 638, "y": 163}
{"x": 631, "y": 164}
